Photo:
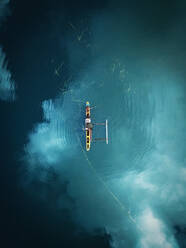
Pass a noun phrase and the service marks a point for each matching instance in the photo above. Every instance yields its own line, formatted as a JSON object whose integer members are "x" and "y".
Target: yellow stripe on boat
{"x": 87, "y": 140}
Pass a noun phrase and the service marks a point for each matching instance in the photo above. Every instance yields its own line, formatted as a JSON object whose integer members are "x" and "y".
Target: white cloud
{"x": 7, "y": 84}
{"x": 45, "y": 144}
{"x": 154, "y": 232}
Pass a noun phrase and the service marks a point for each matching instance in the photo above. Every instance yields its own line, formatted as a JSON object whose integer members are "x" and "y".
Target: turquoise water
{"x": 140, "y": 175}
{"x": 134, "y": 187}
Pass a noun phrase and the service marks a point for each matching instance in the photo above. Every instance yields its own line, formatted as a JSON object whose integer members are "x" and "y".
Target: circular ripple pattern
{"x": 129, "y": 109}
{"x": 130, "y": 112}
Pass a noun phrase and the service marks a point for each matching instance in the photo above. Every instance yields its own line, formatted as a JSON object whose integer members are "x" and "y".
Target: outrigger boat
{"x": 89, "y": 127}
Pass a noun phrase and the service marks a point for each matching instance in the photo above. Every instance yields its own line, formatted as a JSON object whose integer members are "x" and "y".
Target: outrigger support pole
{"x": 98, "y": 139}
{"x": 106, "y": 132}
{"x": 106, "y": 129}
{"x": 100, "y": 123}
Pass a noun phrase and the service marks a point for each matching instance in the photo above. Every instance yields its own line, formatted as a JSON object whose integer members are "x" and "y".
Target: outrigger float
{"x": 89, "y": 127}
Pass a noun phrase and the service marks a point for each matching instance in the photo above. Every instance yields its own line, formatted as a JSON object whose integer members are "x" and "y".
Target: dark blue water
{"x": 136, "y": 182}
{"x": 130, "y": 65}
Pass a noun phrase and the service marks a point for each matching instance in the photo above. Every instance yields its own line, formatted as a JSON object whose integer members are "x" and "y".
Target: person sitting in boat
{"x": 88, "y": 125}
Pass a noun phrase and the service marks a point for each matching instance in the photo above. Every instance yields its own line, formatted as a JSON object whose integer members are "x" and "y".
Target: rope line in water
{"x": 107, "y": 188}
